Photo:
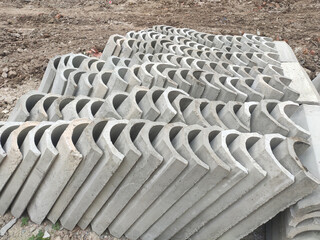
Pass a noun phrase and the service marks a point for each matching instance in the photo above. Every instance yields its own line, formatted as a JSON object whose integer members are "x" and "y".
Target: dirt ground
{"x": 33, "y": 31}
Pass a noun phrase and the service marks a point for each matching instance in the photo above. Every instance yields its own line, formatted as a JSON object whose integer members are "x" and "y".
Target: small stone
{"x": 16, "y": 35}
{"x": 46, "y": 235}
{"x": 32, "y": 228}
{"x": 57, "y": 238}
{"x": 6, "y": 227}
{"x": 4, "y": 75}
{"x": 308, "y": 71}
{"x": 20, "y": 50}
{"x": 66, "y": 237}
{"x": 5, "y": 69}
{"x": 48, "y": 227}
{"x": 25, "y": 67}
{"x": 298, "y": 49}
{"x": 93, "y": 236}
{"x": 312, "y": 52}
{"x": 12, "y": 74}
{"x": 5, "y": 53}
{"x": 58, "y": 16}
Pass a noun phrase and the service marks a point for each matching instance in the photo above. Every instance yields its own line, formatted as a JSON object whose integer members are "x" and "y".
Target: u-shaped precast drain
{"x": 92, "y": 85}
{"x": 146, "y": 179}
{"x": 171, "y": 134}
{"x": 301, "y": 219}
{"x": 151, "y": 73}
{"x": 158, "y": 104}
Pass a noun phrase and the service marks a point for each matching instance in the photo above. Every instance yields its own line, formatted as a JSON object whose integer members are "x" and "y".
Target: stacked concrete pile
{"x": 147, "y": 179}
{"x": 171, "y": 134}
{"x": 206, "y": 76}
{"x": 164, "y": 105}
{"x": 213, "y": 80}
{"x": 301, "y": 221}
{"x": 214, "y": 67}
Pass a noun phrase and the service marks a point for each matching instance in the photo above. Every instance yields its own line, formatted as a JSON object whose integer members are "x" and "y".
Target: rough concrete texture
{"x": 24, "y": 105}
{"x": 316, "y": 82}
{"x": 171, "y": 105}
{"x": 124, "y": 144}
{"x": 146, "y": 165}
{"x": 13, "y": 152}
{"x": 217, "y": 171}
{"x": 30, "y": 154}
{"x": 91, "y": 153}
{"x": 286, "y": 153}
{"x": 169, "y": 170}
{"x": 47, "y": 147}
{"x": 39, "y": 111}
{"x": 302, "y": 218}
{"x": 276, "y": 229}
{"x": 59, "y": 173}
{"x": 239, "y": 149}
{"x": 195, "y": 170}
{"x": 99, "y": 176}
{"x": 258, "y": 58}
{"x": 5, "y": 131}
{"x": 237, "y": 172}
{"x": 171, "y": 134}
{"x": 301, "y": 82}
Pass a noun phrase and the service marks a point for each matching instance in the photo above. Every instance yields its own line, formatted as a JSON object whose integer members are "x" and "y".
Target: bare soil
{"x": 33, "y": 31}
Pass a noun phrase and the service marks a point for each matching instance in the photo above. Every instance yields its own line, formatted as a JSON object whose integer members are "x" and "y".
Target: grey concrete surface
{"x": 87, "y": 147}
{"x": 124, "y": 144}
{"x": 30, "y": 154}
{"x": 200, "y": 144}
{"x": 179, "y": 176}
{"x": 24, "y": 105}
{"x": 195, "y": 170}
{"x": 239, "y": 149}
{"x": 305, "y": 183}
{"x": 237, "y": 172}
{"x": 99, "y": 176}
{"x": 146, "y": 165}
{"x": 59, "y": 173}
{"x": 173, "y": 165}
{"x": 14, "y": 155}
{"x": 47, "y": 147}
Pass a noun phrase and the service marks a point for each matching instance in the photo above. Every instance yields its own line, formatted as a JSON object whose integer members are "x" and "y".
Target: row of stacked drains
{"x": 170, "y": 134}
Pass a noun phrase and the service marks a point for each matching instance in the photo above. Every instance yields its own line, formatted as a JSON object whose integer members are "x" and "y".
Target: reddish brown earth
{"x": 33, "y": 31}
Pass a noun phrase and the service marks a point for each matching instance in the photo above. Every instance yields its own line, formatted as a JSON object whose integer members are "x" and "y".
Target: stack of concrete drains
{"x": 149, "y": 179}
{"x": 161, "y": 138}
{"x": 212, "y": 78}
{"x": 246, "y": 74}
{"x": 197, "y": 83}
{"x": 199, "y": 79}
{"x": 163, "y": 105}
{"x": 301, "y": 221}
